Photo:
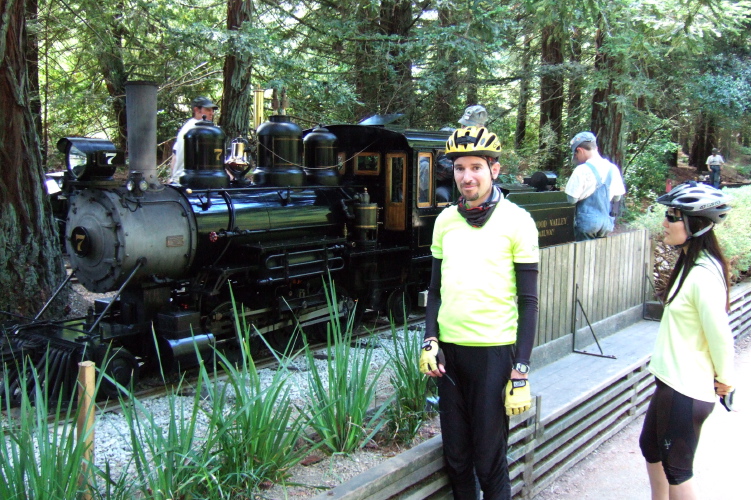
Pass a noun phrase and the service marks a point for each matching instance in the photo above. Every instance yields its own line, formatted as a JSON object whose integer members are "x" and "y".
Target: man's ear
{"x": 495, "y": 169}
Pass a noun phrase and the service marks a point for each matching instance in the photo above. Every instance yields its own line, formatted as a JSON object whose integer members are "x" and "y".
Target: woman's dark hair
{"x": 694, "y": 247}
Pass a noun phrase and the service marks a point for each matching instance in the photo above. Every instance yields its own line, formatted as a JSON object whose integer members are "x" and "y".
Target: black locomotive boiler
{"x": 353, "y": 202}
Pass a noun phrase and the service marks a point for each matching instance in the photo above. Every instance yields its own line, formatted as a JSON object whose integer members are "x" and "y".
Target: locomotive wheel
{"x": 349, "y": 306}
{"x": 286, "y": 341}
{"x": 399, "y": 306}
{"x": 120, "y": 365}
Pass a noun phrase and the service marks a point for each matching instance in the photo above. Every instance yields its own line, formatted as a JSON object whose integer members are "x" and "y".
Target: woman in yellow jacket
{"x": 693, "y": 356}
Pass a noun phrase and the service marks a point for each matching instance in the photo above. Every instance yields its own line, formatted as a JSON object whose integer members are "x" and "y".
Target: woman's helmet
{"x": 698, "y": 200}
{"x": 473, "y": 141}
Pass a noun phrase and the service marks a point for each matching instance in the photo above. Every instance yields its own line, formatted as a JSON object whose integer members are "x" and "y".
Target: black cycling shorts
{"x": 671, "y": 431}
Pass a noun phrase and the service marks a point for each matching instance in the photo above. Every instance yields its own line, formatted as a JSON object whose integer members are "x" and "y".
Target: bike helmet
{"x": 699, "y": 200}
{"x": 473, "y": 141}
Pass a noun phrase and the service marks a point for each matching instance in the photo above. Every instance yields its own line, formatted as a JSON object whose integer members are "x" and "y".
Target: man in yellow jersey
{"x": 485, "y": 255}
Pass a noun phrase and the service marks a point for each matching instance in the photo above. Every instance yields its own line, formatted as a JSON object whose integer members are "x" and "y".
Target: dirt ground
{"x": 616, "y": 470}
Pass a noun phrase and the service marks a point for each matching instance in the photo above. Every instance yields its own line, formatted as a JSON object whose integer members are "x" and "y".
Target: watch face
{"x": 521, "y": 367}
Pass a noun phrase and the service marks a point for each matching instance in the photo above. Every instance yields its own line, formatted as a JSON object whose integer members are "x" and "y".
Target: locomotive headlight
{"x": 130, "y": 185}
{"x": 143, "y": 185}
{"x": 90, "y": 159}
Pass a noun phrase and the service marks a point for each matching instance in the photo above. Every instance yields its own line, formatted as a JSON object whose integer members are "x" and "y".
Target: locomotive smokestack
{"x": 140, "y": 103}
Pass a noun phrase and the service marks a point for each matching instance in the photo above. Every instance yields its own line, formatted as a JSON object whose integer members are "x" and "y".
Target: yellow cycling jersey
{"x": 478, "y": 282}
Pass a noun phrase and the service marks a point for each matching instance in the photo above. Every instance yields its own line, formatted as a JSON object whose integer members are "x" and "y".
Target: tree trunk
{"x": 238, "y": 90}
{"x": 447, "y": 92}
{"x": 551, "y": 99}
{"x": 29, "y": 253}
{"x": 115, "y": 77}
{"x": 607, "y": 118}
{"x": 575, "y": 85}
{"x": 32, "y": 66}
{"x": 704, "y": 141}
{"x": 521, "y": 113}
{"x": 396, "y": 21}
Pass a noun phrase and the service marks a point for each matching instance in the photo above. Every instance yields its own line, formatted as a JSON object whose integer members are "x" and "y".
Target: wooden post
{"x": 85, "y": 423}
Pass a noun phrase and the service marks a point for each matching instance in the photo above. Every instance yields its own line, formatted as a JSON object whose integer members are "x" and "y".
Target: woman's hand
{"x": 721, "y": 389}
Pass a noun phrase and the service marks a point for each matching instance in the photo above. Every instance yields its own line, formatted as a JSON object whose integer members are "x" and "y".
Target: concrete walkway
{"x": 616, "y": 471}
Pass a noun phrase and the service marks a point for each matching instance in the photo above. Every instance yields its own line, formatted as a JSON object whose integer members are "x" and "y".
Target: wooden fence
{"x": 607, "y": 275}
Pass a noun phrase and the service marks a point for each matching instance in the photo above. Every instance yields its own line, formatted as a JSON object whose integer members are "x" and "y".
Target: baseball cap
{"x": 474, "y": 116}
{"x": 580, "y": 138}
{"x": 203, "y": 102}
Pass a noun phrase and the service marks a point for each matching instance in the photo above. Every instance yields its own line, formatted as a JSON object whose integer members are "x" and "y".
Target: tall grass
{"x": 40, "y": 456}
{"x": 171, "y": 460}
{"x": 409, "y": 410}
{"x": 342, "y": 395}
{"x": 258, "y": 435}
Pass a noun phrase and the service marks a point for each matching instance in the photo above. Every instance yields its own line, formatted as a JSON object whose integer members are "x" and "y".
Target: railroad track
{"x": 372, "y": 324}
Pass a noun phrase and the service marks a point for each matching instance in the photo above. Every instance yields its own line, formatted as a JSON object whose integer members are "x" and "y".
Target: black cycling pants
{"x": 671, "y": 431}
{"x": 474, "y": 425}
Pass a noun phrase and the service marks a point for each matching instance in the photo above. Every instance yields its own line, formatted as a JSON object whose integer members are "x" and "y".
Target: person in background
{"x": 485, "y": 258}
{"x": 714, "y": 164}
{"x": 594, "y": 186}
{"x": 474, "y": 116}
{"x": 203, "y": 109}
{"x": 693, "y": 354}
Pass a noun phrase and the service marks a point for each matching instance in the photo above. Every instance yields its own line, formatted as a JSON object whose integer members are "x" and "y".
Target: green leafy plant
{"x": 646, "y": 172}
{"x": 258, "y": 436}
{"x": 171, "y": 461}
{"x": 408, "y": 411}
{"x": 340, "y": 401}
{"x": 41, "y": 456}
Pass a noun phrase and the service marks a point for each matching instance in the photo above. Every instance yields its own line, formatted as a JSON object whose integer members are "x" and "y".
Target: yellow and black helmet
{"x": 473, "y": 141}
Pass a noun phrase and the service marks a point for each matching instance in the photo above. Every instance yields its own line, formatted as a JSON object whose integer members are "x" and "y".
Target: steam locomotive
{"x": 356, "y": 203}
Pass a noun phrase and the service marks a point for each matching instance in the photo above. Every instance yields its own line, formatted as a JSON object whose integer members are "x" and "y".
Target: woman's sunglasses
{"x": 672, "y": 218}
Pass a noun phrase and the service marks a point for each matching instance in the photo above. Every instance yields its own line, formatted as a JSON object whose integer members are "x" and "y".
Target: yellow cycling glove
{"x": 518, "y": 396}
{"x": 428, "y": 357}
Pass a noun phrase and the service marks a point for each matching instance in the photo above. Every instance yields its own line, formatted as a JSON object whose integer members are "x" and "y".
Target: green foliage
{"x": 648, "y": 168}
{"x": 733, "y": 233}
{"x": 257, "y": 434}
{"x": 171, "y": 461}
{"x": 42, "y": 458}
{"x": 408, "y": 412}
{"x": 341, "y": 402}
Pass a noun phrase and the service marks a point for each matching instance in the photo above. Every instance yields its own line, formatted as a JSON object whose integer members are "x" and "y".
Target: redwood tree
{"x": 238, "y": 89}
{"x": 31, "y": 259}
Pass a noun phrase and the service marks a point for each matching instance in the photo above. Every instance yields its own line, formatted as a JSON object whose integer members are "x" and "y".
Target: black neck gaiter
{"x": 478, "y": 216}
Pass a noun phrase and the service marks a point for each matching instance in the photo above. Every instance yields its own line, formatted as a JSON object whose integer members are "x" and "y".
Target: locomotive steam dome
{"x": 320, "y": 162}
{"x": 204, "y": 157}
{"x": 279, "y": 147}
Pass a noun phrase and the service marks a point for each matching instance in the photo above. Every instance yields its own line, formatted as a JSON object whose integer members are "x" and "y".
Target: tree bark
{"x": 575, "y": 85}
{"x": 704, "y": 140}
{"x": 551, "y": 99}
{"x": 29, "y": 253}
{"x": 446, "y": 101}
{"x": 238, "y": 90}
{"x": 607, "y": 119}
{"x": 521, "y": 112}
{"x": 115, "y": 77}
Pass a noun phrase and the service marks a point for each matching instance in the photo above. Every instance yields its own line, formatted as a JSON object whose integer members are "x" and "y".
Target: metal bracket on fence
{"x": 647, "y": 304}
{"x": 584, "y": 313}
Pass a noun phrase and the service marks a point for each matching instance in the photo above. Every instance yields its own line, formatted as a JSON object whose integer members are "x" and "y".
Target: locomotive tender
{"x": 360, "y": 208}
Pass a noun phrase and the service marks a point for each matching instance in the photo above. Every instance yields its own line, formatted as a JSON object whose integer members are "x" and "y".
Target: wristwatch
{"x": 522, "y": 368}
